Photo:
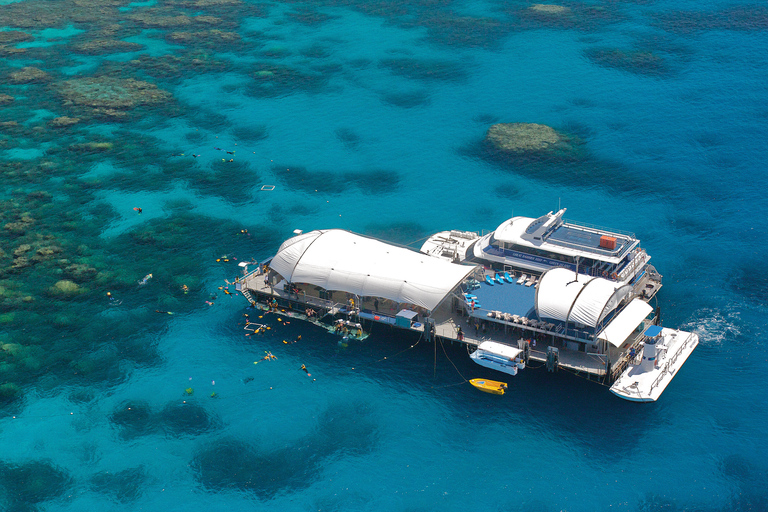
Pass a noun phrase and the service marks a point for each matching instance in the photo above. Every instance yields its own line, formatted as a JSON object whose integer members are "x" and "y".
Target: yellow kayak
{"x": 489, "y": 386}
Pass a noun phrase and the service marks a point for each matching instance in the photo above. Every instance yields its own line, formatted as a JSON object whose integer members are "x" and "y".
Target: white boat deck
{"x": 449, "y": 245}
{"x": 647, "y": 386}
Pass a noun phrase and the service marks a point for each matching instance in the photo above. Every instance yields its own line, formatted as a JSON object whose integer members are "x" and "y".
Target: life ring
{"x": 614, "y": 276}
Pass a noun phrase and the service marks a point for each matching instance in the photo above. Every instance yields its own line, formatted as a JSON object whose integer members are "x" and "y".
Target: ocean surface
{"x": 179, "y": 138}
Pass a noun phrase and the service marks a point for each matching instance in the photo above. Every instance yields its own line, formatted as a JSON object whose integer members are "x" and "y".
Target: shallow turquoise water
{"x": 380, "y": 133}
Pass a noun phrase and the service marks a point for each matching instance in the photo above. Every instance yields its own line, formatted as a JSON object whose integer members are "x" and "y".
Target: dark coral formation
{"x": 106, "y": 46}
{"x": 429, "y": 70}
{"x": 124, "y": 486}
{"x": 15, "y": 36}
{"x": 31, "y": 483}
{"x": 274, "y": 80}
{"x": 133, "y": 418}
{"x": 408, "y": 99}
{"x": 181, "y": 418}
{"x": 643, "y": 62}
{"x": 233, "y": 465}
{"x": 374, "y": 181}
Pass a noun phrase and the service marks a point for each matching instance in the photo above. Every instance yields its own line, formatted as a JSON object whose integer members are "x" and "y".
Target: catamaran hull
{"x": 510, "y": 369}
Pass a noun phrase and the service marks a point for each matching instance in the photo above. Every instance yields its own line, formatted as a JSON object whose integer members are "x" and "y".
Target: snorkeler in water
{"x": 267, "y": 357}
{"x": 298, "y": 339}
{"x": 112, "y": 300}
{"x": 303, "y": 367}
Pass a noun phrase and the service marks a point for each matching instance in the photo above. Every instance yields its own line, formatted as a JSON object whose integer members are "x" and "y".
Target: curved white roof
{"x": 339, "y": 260}
{"x": 569, "y": 297}
{"x": 512, "y": 230}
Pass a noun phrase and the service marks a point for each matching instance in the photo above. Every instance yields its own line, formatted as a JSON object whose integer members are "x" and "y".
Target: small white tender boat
{"x": 498, "y": 356}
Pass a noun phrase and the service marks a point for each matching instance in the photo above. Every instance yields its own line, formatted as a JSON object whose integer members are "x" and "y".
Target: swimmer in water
{"x": 267, "y": 357}
{"x": 305, "y": 369}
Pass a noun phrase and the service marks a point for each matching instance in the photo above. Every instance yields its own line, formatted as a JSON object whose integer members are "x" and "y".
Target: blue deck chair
{"x": 498, "y": 279}
{"x": 488, "y": 281}
{"x": 508, "y": 277}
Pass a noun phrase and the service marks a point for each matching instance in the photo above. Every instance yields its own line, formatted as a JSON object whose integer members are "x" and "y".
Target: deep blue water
{"x": 369, "y": 116}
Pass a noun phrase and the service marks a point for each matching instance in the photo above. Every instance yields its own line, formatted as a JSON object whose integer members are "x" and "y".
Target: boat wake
{"x": 715, "y": 327}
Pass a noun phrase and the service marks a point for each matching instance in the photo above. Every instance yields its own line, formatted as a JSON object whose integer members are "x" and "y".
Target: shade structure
{"x": 566, "y": 296}
{"x": 335, "y": 259}
{"x": 619, "y": 329}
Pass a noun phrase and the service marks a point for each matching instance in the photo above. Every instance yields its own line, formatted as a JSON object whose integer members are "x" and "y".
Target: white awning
{"x": 339, "y": 260}
{"x": 499, "y": 349}
{"x": 567, "y": 296}
{"x": 625, "y": 322}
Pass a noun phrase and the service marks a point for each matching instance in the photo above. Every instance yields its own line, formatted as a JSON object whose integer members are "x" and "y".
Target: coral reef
{"x": 557, "y": 10}
{"x": 524, "y": 137}
{"x": 124, "y": 486}
{"x": 109, "y": 95}
{"x": 66, "y": 288}
{"x": 64, "y": 121}
{"x": 211, "y": 39}
{"x": 10, "y": 392}
{"x": 429, "y": 70}
{"x": 15, "y": 36}
{"x": 643, "y": 62}
{"x": 176, "y": 67}
{"x": 28, "y": 484}
{"x": 187, "y": 418}
{"x": 133, "y": 418}
{"x": 233, "y": 465}
{"x": 28, "y": 75}
{"x": 374, "y": 181}
{"x": 106, "y": 46}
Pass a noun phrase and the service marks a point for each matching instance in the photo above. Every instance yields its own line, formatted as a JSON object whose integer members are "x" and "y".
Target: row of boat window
{"x": 539, "y": 252}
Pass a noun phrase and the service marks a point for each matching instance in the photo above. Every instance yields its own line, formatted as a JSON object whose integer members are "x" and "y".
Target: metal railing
{"x": 577, "y": 224}
{"x": 672, "y": 360}
{"x": 637, "y": 262}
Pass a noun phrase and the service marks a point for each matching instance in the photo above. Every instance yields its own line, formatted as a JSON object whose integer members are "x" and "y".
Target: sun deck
{"x": 587, "y": 240}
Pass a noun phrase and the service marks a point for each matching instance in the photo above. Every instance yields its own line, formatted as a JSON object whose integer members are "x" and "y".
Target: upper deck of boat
{"x": 587, "y": 240}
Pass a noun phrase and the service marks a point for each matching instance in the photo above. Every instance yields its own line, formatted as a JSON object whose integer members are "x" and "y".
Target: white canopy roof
{"x": 625, "y": 322}
{"x": 339, "y": 260}
{"x": 500, "y": 349}
{"x": 566, "y": 296}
